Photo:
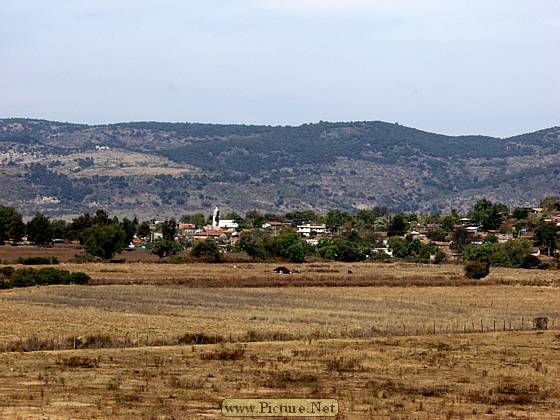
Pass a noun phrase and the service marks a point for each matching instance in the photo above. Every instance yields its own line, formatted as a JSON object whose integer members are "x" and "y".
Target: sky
{"x": 447, "y": 66}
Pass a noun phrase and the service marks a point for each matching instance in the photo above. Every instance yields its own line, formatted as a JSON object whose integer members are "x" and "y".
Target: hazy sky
{"x": 450, "y": 66}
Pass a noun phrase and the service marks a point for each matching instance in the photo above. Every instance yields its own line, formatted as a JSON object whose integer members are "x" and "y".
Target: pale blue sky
{"x": 450, "y": 66}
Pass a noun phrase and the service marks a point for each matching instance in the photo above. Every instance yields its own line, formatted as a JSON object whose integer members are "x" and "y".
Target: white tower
{"x": 216, "y": 217}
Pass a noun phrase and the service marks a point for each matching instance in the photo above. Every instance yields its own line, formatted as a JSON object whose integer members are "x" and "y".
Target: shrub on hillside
{"x": 37, "y": 260}
{"x": 476, "y": 269}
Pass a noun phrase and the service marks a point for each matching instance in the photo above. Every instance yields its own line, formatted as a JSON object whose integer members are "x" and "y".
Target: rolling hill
{"x": 159, "y": 169}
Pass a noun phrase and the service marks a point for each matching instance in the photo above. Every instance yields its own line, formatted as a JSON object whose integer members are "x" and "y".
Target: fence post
{"x": 481, "y": 326}
{"x": 494, "y": 325}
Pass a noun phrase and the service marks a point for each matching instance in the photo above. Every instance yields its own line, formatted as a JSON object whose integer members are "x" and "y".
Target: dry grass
{"x": 123, "y": 316}
{"x": 470, "y": 376}
{"x": 404, "y": 365}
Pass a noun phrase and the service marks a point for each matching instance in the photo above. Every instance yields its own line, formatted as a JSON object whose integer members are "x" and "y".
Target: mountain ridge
{"x": 158, "y": 168}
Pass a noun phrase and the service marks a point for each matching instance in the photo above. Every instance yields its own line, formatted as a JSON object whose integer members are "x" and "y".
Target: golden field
{"x": 388, "y": 340}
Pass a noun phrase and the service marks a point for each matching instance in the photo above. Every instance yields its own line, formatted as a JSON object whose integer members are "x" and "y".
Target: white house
{"x": 306, "y": 229}
{"x": 227, "y": 224}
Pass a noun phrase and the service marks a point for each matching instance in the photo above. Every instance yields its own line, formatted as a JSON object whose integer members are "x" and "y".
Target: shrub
{"x": 6, "y": 272}
{"x": 37, "y": 260}
{"x": 26, "y": 277}
{"x": 476, "y": 269}
{"x": 207, "y": 249}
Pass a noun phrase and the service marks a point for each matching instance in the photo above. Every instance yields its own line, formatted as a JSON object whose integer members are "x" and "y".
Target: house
{"x": 208, "y": 233}
{"x": 308, "y": 229}
{"x": 227, "y": 224}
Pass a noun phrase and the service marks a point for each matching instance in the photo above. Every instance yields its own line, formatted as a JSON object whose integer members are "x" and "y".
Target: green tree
{"x": 288, "y": 245}
{"x": 196, "y": 219}
{"x": 104, "y": 241}
{"x": 327, "y": 248}
{"x": 39, "y": 230}
{"x": 101, "y": 218}
{"x": 253, "y": 243}
{"x": 78, "y": 226}
{"x": 165, "y": 248}
{"x": 398, "y": 225}
{"x": 208, "y": 249}
{"x": 520, "y": 213}
{"x": 130, "y": 229}
{"x": 398, "y": 246}
{"x": 169, "y": 229}
{"x": 488, "y": 214}
{"x": 546, "y": 236}
{"x": 143, "y": 230}
{"x": 59, "y": 229}
{"x": 460, "y": 239}
{"x": 551, "y": 203}
{"x": 11, "y": 224}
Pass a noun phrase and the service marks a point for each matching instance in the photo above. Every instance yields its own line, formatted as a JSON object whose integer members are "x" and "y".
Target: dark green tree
{"x": 398, "y": 225}
{"x": 143, "y": 230}
{"x": 165, "y": 248}
{"x": 253, "y": 243}
{"x": 59, "y": 229}
{"x": 104, "y": 241}
{"x": 130, "y": 229}
{"x": 169, "y": 229}
{"x": 460, "y": 239}
{"x": 39, "y": 230}
{"x": 207, "y": 249}
{"x": 546, "y": 235}
{"x": 11, "y": 224}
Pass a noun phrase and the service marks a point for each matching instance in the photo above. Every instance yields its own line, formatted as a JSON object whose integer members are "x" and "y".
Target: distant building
{"x": 227, "y": 224}
{"x": 308, "y": 228}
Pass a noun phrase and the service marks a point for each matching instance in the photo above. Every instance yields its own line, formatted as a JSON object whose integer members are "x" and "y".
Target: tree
{"x": 11, "y": 224}
{"x": 488, "y": 214}
{"x": 398, "y": 246}
{"x": 460, "y": 239}
{"x": 551, "y": 203}
{"x": 143, "y": 230}
{"x": 78, "y": 226}
{"x": 520, "y": 213}
{"x": 169, "y": 229}
{"x": 39, "y": 230}
{"x": 207, "y": 248}
{"x": 546, "y": 236}
{"x": 398, "y": 225}
{"x": 59, "y": 229}
{"x": 197, "y": 219}
{"x": 476, "y": 269}
{"x": 165, "y": 248}
{"x": 253, "y": 243}
{"x": 130, "y": 229}
{"x": 101, "y": 218}
{"x": 288, "y": 245}
{"x": 104, "y": 240}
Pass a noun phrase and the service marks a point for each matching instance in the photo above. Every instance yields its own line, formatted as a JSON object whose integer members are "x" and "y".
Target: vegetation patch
{"x": 26, "y": 277}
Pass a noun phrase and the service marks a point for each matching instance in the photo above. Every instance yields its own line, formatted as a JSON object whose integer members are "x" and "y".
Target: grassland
{"x": 387, "y": 340}
{"x": 505, "y": 375}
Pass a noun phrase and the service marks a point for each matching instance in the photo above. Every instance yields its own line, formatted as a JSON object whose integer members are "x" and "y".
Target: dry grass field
{"x": 387, "y": 340}
{"x": 502, "y": 375}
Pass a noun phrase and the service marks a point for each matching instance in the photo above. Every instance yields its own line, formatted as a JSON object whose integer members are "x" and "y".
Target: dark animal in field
{"x": 282, "y": 270}
{"x": 349, "y": 271}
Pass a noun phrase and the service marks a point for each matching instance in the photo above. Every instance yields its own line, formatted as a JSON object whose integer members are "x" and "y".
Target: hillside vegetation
{"x": 152, "y": 168}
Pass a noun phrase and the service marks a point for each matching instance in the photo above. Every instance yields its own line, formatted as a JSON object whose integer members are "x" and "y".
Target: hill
{"x": 157, "y": 169}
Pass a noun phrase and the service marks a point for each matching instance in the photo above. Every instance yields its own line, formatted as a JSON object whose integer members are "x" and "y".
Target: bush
{"x": 37, "y": 260}
{"x": 26, "y": 277}
{"x": 530, "y": 261}
{"x": 476, "y": 269}
{"x": 207, "y": 249}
